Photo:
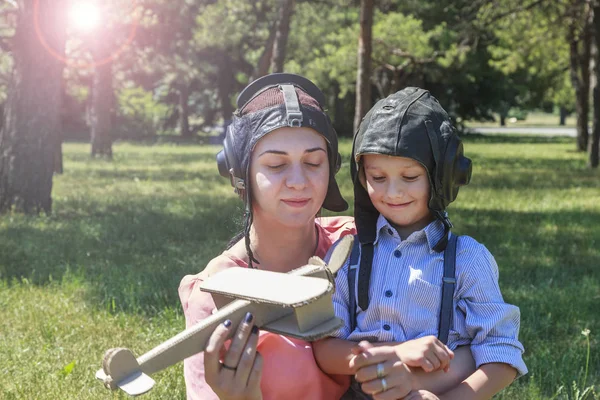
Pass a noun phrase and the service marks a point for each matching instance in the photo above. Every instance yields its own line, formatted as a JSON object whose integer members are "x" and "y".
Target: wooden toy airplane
{"x": 297, "y": 304}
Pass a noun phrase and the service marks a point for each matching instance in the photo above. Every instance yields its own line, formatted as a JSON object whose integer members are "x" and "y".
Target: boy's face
{"x": 399, "y": 189}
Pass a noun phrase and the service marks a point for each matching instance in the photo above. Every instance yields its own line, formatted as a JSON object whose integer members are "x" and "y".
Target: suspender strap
{"x": 449, "y": 281}
{"x": 352, "y": 272}
{"x": 364, "y": 274}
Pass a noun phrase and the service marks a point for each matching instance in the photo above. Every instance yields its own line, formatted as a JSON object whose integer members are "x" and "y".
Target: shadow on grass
{"x": 515, "y": 138}
{"x": 165, "y": 174}
{"x": 208, "y": 154}
{"x": 133, "y": 259}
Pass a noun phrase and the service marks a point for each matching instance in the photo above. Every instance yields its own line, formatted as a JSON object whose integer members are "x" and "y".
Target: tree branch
{"x": 514, "y": 11}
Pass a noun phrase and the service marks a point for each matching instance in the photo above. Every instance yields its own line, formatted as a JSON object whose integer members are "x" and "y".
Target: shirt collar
{"x": 432, "y": 232}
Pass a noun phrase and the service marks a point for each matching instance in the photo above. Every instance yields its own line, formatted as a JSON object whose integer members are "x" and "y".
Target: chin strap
{"x": 443, "y": 242}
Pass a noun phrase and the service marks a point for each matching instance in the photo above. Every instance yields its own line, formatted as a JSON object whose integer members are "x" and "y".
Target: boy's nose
{"x": 395, "y": 190}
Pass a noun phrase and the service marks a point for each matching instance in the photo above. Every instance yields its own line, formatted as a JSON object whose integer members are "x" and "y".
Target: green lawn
{"x": 103, "y": 270}
{"x": 533, "y": 119}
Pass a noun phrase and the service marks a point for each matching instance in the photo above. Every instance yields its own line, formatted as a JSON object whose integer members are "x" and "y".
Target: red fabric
{"x": 289, "y": 370}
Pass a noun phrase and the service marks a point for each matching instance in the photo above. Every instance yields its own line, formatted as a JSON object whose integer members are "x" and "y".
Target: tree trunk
{"x": 226, "y": 82}
{"x": 563, "y": 116}
{"x": 502, "y": 120}
{"x": 58, "y": 157}
{"x": 286, "y": 9}
{"x": 587, "y": 38}
{"x": 579, "y": 67}
{"x": 262, "y": 67}
{"x": 100, "y": 120}
{"x": 594, "y": 144}
{"x": 184, "y": 111}
{"x": 363, "y": 73}
{"x": 29, "y": 134}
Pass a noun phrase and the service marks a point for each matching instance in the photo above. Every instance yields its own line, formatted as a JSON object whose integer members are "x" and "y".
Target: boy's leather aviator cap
{"x": 410, "y": 123}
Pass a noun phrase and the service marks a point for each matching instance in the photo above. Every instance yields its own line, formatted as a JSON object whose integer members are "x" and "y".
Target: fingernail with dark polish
{"x": 249, "y": 318}
{"x": 227, "y": 323}
{"x": 255, "y": 329}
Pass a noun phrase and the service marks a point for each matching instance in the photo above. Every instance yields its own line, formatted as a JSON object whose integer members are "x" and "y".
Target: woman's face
{"x": 289, "y": 174}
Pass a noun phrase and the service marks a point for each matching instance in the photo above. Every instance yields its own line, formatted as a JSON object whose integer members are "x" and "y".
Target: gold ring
{"x": 380, "y": 371}
{"x": 384, "y": 386}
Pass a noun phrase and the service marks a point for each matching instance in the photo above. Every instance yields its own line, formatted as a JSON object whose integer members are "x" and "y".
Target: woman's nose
{"x": 296, "y": 178}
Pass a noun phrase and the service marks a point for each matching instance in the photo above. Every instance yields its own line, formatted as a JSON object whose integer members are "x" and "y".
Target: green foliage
{"x": 140, "y": 113}
{"x": 539, "y": 49}
{"x": 322, "y": 44}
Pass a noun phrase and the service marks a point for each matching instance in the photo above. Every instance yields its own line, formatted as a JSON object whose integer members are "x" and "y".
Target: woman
{"x": 281, "y": 155}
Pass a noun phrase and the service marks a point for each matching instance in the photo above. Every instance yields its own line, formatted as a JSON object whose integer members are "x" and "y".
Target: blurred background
{"x": 112, "y": 111}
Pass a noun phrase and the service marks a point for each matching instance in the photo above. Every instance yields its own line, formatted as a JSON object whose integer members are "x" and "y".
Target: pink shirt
{"x": 289, "y": 369}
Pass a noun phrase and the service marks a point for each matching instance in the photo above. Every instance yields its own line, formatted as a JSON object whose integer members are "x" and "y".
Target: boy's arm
{"x": 333, "y": 355}
{"x": 491, "y": 324}
{"x": 484, "y": 383}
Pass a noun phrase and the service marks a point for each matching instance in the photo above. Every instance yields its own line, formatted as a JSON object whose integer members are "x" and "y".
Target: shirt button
{"x": 397, "y": 253}
{"x": 391, "y": 232}
{"x": 387, "y": 327}
{"x": 388, "y": 293}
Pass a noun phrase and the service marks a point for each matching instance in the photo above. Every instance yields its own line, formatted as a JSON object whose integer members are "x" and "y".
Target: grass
{"x": 533, "y": 119}
{"x": 102, "y": 271}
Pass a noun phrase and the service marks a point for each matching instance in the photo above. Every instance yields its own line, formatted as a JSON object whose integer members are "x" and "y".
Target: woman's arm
{"x": 484, "y": 383}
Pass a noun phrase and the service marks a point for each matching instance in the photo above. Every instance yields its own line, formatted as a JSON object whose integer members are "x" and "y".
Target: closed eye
{"x": 279, "y": 166}
{"x": 378, "y": 178}
{"x": 410, "y": 178}
{"x": 313, "y": 165}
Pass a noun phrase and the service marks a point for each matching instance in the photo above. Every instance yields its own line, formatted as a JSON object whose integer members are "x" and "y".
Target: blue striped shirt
{"x": 405, "y": 297}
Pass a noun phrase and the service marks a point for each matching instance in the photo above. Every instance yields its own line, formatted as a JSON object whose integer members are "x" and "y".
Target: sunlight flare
{"x": 84, "y": 16}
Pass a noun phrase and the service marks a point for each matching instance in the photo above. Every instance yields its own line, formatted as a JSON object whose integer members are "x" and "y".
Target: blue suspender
{"x": 352, "y": 274}
{"x": 449, "y": 282}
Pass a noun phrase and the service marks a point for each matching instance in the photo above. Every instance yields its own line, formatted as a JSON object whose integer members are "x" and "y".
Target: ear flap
{"x": 452, "y": 168}
{"x": 228, "y": 164}
{"x": 455, "y": 171}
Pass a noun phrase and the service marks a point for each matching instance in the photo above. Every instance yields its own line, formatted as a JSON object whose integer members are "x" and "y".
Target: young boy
{"x": 407, "y": 166}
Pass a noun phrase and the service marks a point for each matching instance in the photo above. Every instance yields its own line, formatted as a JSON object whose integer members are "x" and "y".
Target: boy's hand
{"x": 428, "y": 353}
{"x": 421, "y": 395}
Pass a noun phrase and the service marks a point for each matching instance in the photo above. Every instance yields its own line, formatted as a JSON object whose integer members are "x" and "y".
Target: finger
{"x": 433, "y": 359}
{"x": 443, "y": 354}
{"x": 246, "y": 363}
{"x": 238, "y": 342}
{"x": 426, "y": 365}
{"x": 256, "y": 374}
{"x": 412, "y": 396}
{"x": 395, "y": 393}
{"x": 212, "y": 353}
{"x": 369, "y": 373}
{"x": 365, "y": 345}
{"x": 372, "y": 356}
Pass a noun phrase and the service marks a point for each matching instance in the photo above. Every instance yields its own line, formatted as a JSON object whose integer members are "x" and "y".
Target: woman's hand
{"x": 234, "y": 374}
{"x": 380, "y": 372}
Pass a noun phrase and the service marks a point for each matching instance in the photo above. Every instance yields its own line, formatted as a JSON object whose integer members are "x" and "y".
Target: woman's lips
{"x": 297, "y": 203}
